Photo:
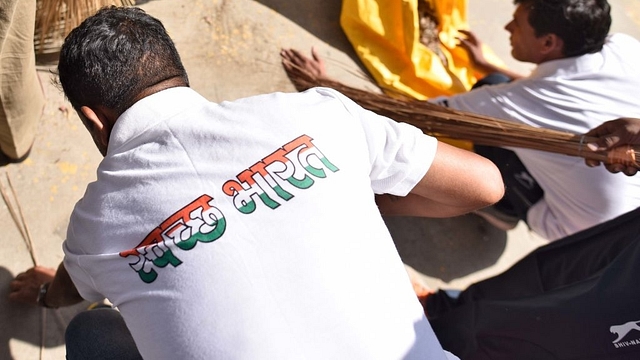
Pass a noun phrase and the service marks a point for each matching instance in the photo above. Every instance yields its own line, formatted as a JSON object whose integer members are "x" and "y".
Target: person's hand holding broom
{"x": 620, "y": 135}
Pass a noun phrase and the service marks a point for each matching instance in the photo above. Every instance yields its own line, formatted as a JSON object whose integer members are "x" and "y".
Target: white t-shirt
{"x": 575, "y": 95}
{"x": 248, "y": 229}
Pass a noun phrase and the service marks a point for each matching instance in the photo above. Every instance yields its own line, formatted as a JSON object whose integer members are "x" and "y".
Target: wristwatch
{"x": 42, "y": 294}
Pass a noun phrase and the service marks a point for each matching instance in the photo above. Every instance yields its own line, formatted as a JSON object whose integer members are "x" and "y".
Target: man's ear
{"x": 99, "y": 122}
{"x": 552, "y": 47}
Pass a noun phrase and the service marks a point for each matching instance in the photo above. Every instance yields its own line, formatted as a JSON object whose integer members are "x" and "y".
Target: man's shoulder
{"x": 622, "y": 43}
{"x": 622, "y": 38}
{"x": 323, "y": 98}
{"x": 314, "y": 92}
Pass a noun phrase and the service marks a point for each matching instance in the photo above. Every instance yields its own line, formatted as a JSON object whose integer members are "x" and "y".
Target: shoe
{"x": 497, "y": 218}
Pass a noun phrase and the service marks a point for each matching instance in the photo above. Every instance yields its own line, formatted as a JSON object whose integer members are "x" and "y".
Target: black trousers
{"x": 576, "y": 298}
{"x": 521, "y": 190}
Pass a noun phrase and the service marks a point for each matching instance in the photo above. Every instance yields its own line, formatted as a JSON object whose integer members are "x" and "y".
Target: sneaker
{"x": 498, "y": 219}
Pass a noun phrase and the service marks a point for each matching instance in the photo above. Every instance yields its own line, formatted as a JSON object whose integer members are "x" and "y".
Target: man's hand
{"x": 614, "y": 133}
{"x": 62, "y": 292}
{"x": 24, "y": 288}
{"x": 473, "y": 45}
{"x": 314, "y": 66}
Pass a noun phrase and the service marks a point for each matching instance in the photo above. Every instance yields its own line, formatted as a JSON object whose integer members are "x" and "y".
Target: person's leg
{"x": 100, "y": 334}
{"x": 521, "y": 189}
{"x": 581, "y": 279}
{"x": 492, "y": 79}
{"x": 21, "y": 95}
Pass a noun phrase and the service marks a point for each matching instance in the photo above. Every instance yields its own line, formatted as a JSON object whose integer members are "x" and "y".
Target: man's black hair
{"x": 583, "y": 25}
{"x": 113, "y": 56}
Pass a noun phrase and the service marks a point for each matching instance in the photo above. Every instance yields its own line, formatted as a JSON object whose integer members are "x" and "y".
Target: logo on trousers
{"x": 623, "y": 330}
{"x": 525, "y": 180}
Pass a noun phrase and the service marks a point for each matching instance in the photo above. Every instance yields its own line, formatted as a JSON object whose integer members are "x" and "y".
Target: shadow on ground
{"x": 447, "y": 248}
{"x": 319, "y": 18}
{"x": 25, "y": 323}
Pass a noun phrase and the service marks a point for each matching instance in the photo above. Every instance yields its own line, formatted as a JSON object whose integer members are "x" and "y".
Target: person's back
{"x": 257, "y": 255}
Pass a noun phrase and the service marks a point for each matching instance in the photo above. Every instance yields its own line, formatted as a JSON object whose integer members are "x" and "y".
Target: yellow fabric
{"x": 386, "y": 37}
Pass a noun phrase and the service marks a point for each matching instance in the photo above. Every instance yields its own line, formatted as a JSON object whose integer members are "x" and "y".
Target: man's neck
{"x": 176, "y": 81}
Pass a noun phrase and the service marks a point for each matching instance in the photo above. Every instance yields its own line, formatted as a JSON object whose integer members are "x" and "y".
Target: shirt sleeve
{"x": 532, "y": 101}
{"x": 80, "y": 278}
{"x": 400, "y": 154}
{"x": 493, "y": 100}
{"x": 73, "y": 263}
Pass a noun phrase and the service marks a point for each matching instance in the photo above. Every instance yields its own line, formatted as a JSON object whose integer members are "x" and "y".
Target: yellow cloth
{"x": 386, "y": 36}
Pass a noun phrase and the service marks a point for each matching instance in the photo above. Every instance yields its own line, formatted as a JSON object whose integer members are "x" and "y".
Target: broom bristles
{"x": 441, "y": 121}
{"x": 56, "y": 18}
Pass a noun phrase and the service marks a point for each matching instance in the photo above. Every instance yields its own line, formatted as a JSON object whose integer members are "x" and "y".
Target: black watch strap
{"x": 42, "y": 294}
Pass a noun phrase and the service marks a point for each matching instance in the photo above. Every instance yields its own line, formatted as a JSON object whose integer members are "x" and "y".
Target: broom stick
{"x": 441, "y": 121}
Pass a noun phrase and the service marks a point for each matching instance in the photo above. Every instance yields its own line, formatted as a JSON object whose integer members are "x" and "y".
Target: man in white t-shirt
{"x": 245, "y": 229}
{"x": 584, "y": 77}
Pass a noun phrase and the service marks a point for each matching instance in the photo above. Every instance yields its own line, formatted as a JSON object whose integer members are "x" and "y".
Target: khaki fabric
{"x": 21, "y": 94}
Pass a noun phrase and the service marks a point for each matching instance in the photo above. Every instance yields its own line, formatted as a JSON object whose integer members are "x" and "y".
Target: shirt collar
{"x": 152, "y": 110}
{"x": 586, "y": 63}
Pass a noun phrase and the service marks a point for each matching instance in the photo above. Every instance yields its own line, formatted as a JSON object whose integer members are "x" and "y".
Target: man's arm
{"x": 61, "y": 290}
{"x": 457, "y": 182}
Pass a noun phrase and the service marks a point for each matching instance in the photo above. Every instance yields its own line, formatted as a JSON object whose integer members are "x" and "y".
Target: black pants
{"x": 576, "y": 298}
{"x": 100, "y": 334}
{"x": 521, "y": 190}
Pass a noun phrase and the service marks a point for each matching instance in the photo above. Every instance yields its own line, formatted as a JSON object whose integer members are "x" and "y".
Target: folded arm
{"x": 457, "y": 182}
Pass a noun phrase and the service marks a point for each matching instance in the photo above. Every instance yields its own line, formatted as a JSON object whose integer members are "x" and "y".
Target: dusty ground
{"x": 230, "y": 49}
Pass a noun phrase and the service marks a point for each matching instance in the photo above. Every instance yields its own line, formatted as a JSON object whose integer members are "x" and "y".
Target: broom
{"x": 56, "y": 18}
{"x": 441, "y": 121}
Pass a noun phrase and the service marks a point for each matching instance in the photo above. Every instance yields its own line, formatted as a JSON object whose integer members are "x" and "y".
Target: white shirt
{"x": 248, "y": 229}
{"x": 574, "y": 95}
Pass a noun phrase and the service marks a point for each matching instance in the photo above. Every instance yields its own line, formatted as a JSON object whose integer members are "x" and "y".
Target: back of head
{"x": 113, "y": 56}
{"x": 583, "y": 25}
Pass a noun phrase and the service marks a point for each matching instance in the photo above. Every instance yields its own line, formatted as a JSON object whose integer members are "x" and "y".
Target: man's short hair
{"x": 583, "y": 25}
{"x": 113, "y": 56}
